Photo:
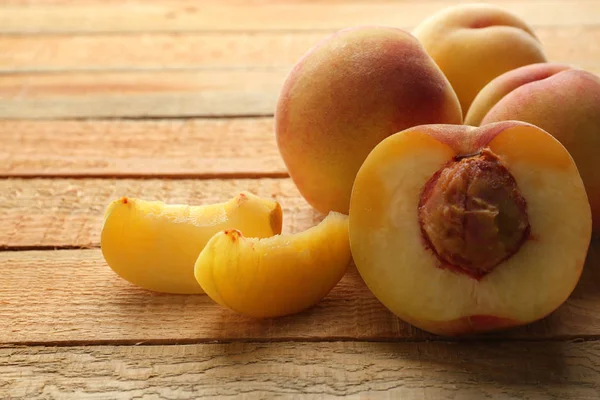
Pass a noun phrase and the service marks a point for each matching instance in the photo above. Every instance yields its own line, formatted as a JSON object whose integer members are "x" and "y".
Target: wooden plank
{"x": 40, "y": 53}
{"x": 315, "y": 370}
{"x": 182, "y": 16}
{"x": 122, "y": 52}
{"x": 140, "y": 94}
{"x": 207, "y": 93}
{"x": 68, "y": 212}
{"x": 206, "y": 148}
{"x": 72, "y": 296}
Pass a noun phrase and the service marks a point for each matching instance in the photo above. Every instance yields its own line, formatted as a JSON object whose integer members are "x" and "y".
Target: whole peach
{"x": 474, "y": 43}
{"x": 562, "y": 100}
{"x": 347, "y": 94}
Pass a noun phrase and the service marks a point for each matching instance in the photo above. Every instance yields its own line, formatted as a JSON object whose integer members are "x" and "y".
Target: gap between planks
{"x": 142, "y": 94}
{"x": 69, "y": 212}
{"x": 230, "y": 148}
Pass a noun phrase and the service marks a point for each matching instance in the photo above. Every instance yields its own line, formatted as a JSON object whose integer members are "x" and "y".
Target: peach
{"x": 562, "y": 100}
{"x": 347, "y": 94}
{"x": 474, "y": 43}
{"x": 154, "y": 245}
{"x": 275, "y": 276}
{"x": 459, "y": 230}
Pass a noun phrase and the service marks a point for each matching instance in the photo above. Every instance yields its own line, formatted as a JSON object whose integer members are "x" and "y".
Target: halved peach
{"x": 155, "y": 245}
{"x": 460, "y": 230}
{"x": 275, "y": 276}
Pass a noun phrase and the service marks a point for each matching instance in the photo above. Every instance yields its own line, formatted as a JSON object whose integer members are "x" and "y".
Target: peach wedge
{"x": 275, "y": 276}
{"x": 155, "y": 245}
{"x": 462, "y": 230}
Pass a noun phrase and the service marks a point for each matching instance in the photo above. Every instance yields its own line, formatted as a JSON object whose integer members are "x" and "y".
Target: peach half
{"x": 275, "y": 276}
{"x": 474, "y": 43}
{"x": 345, "y": 95}
{"x": 459, "y": 230}
{"x": 562, "y": 100}
{"x": 155, "y": 245}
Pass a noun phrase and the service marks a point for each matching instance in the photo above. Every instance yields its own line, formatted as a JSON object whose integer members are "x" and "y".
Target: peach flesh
{"x": 472, "y": 214}
{"x": 396, "y": 264}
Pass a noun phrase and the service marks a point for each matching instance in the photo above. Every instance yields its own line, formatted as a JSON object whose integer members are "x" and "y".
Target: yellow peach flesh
{"x": 275, "y": 276}
{"x": 155, "y": 245}
{"x": 390, "y": 254}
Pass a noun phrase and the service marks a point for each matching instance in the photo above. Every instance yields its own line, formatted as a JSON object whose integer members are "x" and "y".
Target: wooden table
{"x": 172, "y": 100}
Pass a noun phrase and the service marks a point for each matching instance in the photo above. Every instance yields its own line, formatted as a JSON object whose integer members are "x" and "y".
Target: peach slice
{"x": 461, "y": 230}
{"x": 155, "y": 245}
{"x": 275, "y": 276}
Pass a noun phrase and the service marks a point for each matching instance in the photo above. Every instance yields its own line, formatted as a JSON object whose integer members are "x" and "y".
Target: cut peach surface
{"x": 155, "y": 245}
{"x": 460, "y": 230}
{"x": 275, "y": 276}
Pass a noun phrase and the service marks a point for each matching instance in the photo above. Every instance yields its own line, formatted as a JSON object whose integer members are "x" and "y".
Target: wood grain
{"x": 124, "y": 52}
{"x": 140, "y": 94}
{"x": 42, "y": 53}
{"x": 206, "y": 93}
{"x": 312, "y": 370}
{"x": 204, "y": 148}
{"x": 68, "y": 212}
{"x": 72, "y": 296}
{"x": 185, "y": 16}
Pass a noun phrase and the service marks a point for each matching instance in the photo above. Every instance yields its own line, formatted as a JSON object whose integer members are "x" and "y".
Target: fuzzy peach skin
{"x": 474, "y": 43}
{"x": 347, "y": 94}
{"x": 502, "y": 85}
{"x": 399, "y": 265}
{"x": 561, "y": 100}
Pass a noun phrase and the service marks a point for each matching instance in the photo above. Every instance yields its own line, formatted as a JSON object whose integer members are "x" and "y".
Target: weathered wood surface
{"x": 199, "y": 148}
{"x": 66, "y": 65}
{"x": 209, "y": 93}
{"x": 72, "y": 296}
{"x": 257, "y": 15}
{"x": 411, "y": 371}
{"x": 233, "y": 50}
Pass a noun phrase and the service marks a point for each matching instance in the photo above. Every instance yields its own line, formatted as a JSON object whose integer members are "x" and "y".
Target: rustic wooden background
{"x": 173, "y": 100}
